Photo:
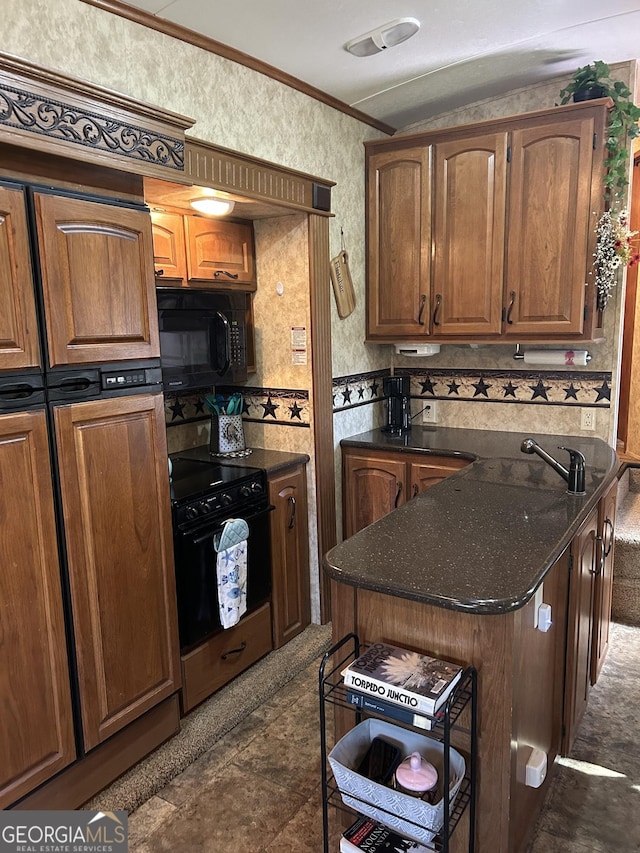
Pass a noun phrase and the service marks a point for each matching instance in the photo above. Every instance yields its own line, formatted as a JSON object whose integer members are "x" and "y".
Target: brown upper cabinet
{"x": 200, "y": 251}
{"x": 96, "y": 264}
{"x": 220, "y": 251}
{"x": 18, "y": 327}
{"x": 399, "y": 225}
{"x": 486, "y": 232}
{"x": 169, "y": 252}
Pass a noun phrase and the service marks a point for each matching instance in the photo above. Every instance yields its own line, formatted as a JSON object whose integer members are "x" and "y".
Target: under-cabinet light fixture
{"x": 387, "y": 35}
{"x": 212, "y": 206}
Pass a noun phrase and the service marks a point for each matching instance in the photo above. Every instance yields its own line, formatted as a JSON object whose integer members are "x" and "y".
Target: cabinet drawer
{"x": 206, "y": 669}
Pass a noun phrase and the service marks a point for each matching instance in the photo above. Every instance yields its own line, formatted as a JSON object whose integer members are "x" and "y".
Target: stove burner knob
{"x": 256, "y": 487}
{"x": 226, "y": 499}
{"x": 205, "y": 507}
{"x": 245, "y": 491}
{"x": 192, "y": 512}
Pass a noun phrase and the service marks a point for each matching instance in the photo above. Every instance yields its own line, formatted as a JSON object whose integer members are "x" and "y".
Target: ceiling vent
{"x": 388, "y": 35}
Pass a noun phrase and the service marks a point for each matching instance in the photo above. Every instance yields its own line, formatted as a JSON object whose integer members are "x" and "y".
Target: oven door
{"x": 196, "y": 577}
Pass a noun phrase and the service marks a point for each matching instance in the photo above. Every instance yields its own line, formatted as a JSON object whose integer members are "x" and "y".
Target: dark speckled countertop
{"x": 483, "y": 539}
{"x": 269, "y": 460}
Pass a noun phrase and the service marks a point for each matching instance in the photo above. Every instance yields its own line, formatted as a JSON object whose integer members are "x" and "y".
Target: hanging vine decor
{"x": 615, "y": 248}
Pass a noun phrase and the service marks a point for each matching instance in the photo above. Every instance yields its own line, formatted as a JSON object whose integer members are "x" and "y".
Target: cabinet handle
{"x": 415, "y": 489}
{"x": 218, "y": 273}
{"x": 292, "y": 504}
{"x": 598, "y": 563}
{"x": 436, "y": 310}
{"x": 423, "y": 302}
{"x": 512, "y": 295}
{"x": 398, "y": 493}
{"x": 241, "y": 648}
{"x": 159, "y": 272}
{"x": 607, "y": 523}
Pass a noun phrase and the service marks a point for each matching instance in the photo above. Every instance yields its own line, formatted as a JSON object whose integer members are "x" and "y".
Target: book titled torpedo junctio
{"x": 406, "y": 678}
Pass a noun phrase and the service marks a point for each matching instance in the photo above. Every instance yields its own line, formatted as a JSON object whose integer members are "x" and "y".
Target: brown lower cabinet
{"x": 120, "y": 557}
{"x": 289, "y": 553}
{"x": 590, "y": 588}
{"x": 121, "y": 614}
{"x": 220, "y": 658}
{"x": 375, "y": 482}
{"x": 36, "y": 735}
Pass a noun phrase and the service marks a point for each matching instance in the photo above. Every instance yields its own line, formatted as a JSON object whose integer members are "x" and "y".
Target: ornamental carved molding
{"x": 60, "y": 115}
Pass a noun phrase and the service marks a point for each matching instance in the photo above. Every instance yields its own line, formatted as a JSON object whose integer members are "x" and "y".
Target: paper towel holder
{"x": 518, "y": 354}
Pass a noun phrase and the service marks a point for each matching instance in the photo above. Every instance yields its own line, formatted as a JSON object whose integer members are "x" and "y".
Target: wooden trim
{"x": 212, "y": 46}
{"x": 223, "y": 169}
{"x": 74, "y": 786}
{"x": 56, "y": 114}
{"x": 320, "y": 298}
{"x": 493, "y": 125}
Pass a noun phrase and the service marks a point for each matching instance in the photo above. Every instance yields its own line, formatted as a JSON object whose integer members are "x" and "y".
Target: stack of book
{"x": 401, "y": 684}
{"x": 367, "y": 836}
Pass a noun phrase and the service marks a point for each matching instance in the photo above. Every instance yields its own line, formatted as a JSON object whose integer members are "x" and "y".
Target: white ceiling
{"x": 465, "y": 50}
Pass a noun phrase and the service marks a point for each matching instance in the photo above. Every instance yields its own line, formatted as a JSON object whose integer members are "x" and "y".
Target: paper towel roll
{"x": 570, "y": 358}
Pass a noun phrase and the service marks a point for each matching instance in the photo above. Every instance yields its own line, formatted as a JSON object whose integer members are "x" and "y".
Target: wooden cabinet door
{"x": 115, "y": 496}
{"x": 550, "y": 227}
{"x": 604, "y": 580}
{"x": 470, "y": 184}
{"x": 398, "y": 244}
{"x": 374, "y": 485}
{"x": 18, "y": 325}
{"x": 290, "y": 596}
{"x": 584, "y": 554}
{"x": 220, "y": 251}
{"x": 423, "y": 475}
{"x": 169, "y": 255}
{"x": 36, "y": 735}
{"x": 97, "y": 278}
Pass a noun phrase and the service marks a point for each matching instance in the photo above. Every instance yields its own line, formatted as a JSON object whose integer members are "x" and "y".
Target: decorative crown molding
{"x": 61, "y": 115}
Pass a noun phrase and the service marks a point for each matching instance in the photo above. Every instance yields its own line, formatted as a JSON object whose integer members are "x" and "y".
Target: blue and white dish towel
{"x": 231, "y": 565}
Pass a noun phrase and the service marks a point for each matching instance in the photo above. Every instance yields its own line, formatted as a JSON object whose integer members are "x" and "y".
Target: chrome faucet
{"x": 574, "y": 475}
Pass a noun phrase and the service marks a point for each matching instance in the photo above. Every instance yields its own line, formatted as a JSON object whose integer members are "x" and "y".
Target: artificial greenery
{"x": 623, "y": 123}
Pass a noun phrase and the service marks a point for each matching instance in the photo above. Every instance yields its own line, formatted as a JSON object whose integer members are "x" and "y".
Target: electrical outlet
{"x": 430, "y": 413}
{"x": 588, "y": 419}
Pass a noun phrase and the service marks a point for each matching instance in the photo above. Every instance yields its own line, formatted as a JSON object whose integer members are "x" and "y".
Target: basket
{"x": 410, "y": 816}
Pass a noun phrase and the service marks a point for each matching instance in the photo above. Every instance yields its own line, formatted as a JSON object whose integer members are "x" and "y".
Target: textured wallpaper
{"x": 240, "y": 109}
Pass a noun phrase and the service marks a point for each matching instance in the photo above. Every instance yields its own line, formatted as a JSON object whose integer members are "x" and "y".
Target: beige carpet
{"x": 626, "y": 567}
{"x": 214, "y": 718}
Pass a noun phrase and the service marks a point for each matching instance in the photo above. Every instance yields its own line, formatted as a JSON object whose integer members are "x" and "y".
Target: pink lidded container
{"x": 416, "y": 776}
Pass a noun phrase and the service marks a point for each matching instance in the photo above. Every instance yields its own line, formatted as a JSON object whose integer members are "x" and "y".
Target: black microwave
{"x": 203, "y": 337}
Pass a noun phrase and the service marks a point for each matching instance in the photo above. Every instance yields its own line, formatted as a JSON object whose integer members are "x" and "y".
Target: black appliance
{"x": 204, "y": 494}
{"x": 398, "y": 403}
{"x": 203, "y": 337}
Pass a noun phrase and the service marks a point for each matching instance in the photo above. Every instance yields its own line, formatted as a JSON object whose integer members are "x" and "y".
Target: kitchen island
{"x": 459, "y": 572}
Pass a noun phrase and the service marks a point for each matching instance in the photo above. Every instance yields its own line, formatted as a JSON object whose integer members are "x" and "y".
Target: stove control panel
{"x": 225, "y": 500}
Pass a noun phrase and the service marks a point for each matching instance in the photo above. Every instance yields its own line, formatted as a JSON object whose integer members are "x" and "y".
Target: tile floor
{"x": 257, "y": 790}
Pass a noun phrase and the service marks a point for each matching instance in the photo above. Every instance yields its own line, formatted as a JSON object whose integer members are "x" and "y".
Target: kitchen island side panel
{"x": 485, "y": 642}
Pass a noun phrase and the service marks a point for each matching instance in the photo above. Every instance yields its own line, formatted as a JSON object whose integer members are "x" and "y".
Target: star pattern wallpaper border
{"x": 287, "y": 407}
{"x": 537, "y": 387}
{"x": 358, "y": 389}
